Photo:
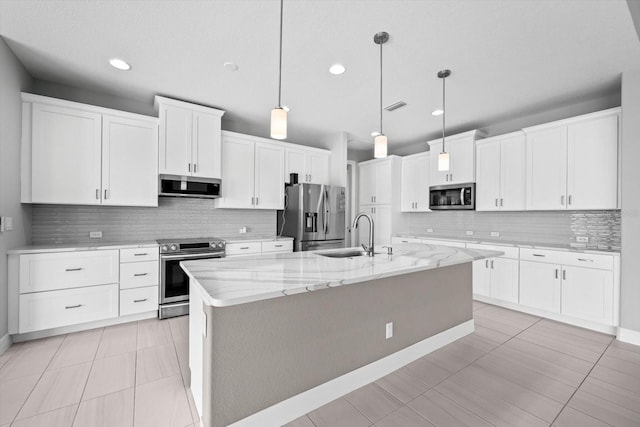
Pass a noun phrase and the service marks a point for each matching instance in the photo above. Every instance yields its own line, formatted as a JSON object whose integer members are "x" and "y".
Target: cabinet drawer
{"x": 64, "y": 270}
{"x": 577, "y": 259}
{"x": 277, "y": 246}
{"x": 139, "y": 274}
{"x": 443, "y": 243}
{"x": 139, "y": 254}
{"x": 397, "y": 239}
{"x": 509, "y": 251}
{"x": 46, "y": 310}
{"x": 540, "y": 255}
{"x": 244, "y": 248}
{"x": 138, "y": 300}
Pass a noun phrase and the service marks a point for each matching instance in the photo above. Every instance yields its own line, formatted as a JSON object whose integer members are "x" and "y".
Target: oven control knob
{"x": 164, "y": 248}
{"x": 221, "y": 245}
{"x": 213, "y": 244}
{"x": 173, "y": 247}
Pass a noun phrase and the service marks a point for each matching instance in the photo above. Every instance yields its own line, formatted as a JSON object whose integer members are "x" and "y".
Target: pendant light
{"x": 443, "y": 157}
{"x": 279, "y": 114}
{"x": 380, "y": 142}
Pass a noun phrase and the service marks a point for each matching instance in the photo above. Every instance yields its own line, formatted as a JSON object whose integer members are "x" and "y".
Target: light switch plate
{"x": 582, "y": 239}
{"x": 95, "y": 234}
{"x": 469, "y": 233}
{"x": 495, "y": 234}
{"x": 243, "y": 230}
{"x": 429, "y": 230}
{"x": 389, "y": 330}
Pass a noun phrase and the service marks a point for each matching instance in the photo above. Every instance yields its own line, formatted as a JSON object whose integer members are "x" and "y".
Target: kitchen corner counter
{"x": 232, "y": 281}
{"x": 70, "y": 247}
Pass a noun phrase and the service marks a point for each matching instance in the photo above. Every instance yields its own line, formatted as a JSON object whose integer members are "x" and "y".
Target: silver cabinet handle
{"x": 73, "y": 269}
{"x": 278, "y": 246}
{"x": 189, "y": 167}
{"x": 496, "y": 202}
{"x": 97, "y": 194}
{"x": 446, "y": 177}
{"x": 486, "y": 263}
{"x": 253, "y": 201}
{"x": 501, "y": 203}
{"x": 562, "y": 200}
{"x": 141, "y": 254}
{"x": 67, "y": 307}
{"x": 585, "y": 260}
{"x": 492, "y": 264}
{"x": 564, "y": 274}
{"x": 539, "y": 255}
{"x": 569, "y": 199}
{"x": 371, "y": 199}
{"x": 139, "y": 274}
{"x": 106, "y": 194}
{"x": 556, "y": 273}
{"x": 450, "y": 177}
{"x": 257, "y": 202}
{"x": 245, "y": 248}
{"x": 309, "y": 177}
{"x": 140, "y": 300}
{"x": 195, "y": 167}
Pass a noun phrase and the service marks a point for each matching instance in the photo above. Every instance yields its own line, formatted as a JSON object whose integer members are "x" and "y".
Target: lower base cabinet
{"x": 587, "y": 293}
{"x": 138, "y": 300}
{"x": 540, "y": 286}
{"x": 496, "y": 277}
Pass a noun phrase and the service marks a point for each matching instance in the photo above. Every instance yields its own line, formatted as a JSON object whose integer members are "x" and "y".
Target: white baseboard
{"x": 288, "y": 410}
{"x": 5, "y": 343}
{"x": 629, "y": 336}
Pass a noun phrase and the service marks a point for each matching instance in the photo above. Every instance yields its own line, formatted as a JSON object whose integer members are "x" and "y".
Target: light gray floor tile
{"x": 339, "y": 413}
{"x": 569, "y": 417}
{"x": 13, "y": 394}
{"x": 56, "y": 389}
{"x": 77, "y": 348}
{"x": 612, "y": 393}
{"x": 153, "y": 332}
{"x": 620, "y": 379}
{"x": 5, "y": 357}
{"x": 590, "y": 340}
{"x": 373, "y": 402}
{"x": 303, "y": 421}
{"x": 491, "y": 335}
{"x": 630, "y": 368}
{"x": 154, "y": 363}
{"x": 477, "y": 305}
{"x": 182, "y": 351}
{"x": 427, "y": 371}
{"x": 604, "y": 410}
{"x": 442, "y": 411}
{"x": 62, "y": 417}
{"x": 179, "y": 327}
{"x": 31, "y": 359}
{"x": 110, "y": 410}
{"x": 118, "y": 339}
{"x": 625, "y": 352}
{"x": 111, "y": 374}
{"x": 594, "y": 336}
{"x": 403, "y": 385}
{"x": 162, "y": 403}
{"x": 404, "y": 417}
{"x": 192, "y": 407}
{"x": 561, "y": 344}
{"x": 459, "y": 354}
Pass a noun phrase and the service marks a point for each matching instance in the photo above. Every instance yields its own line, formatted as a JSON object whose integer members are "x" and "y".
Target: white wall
{"x": 13, "y": 80}
{"x": 630, "y": 274}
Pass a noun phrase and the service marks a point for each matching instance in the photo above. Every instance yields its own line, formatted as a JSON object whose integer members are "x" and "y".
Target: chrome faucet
{"x": 368, "y": 250}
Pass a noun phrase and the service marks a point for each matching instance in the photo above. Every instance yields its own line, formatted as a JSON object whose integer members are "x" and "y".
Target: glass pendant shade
{"x": 278, "y": 123}
{"x": 443, "y": 161}
{"x": 380, "y": 146}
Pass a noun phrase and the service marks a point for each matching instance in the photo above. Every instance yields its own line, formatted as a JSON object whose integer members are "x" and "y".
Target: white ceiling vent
{"x": 395, "y": 106}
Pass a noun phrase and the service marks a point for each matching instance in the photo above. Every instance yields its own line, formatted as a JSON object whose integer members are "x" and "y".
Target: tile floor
{"x": 515, "y": 370}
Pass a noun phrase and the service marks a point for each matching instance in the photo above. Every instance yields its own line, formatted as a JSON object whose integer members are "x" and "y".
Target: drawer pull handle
{"x": 73, "y": 269}
{"x": 140, "y": 300}
{"x": 539, "y": 255}
{"x": 585, "y": 260}
{"x": 278, "y": 246}
{"x": 139, "y": 274}
{"x": 142, "y": 254}
{"x": 246, "y": 247}
{"x": 556, "y": 273}
{"x": 67, "y": 307}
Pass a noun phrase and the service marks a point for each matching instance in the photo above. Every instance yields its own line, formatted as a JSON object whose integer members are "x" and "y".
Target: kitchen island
{"x": 275, "y": 336}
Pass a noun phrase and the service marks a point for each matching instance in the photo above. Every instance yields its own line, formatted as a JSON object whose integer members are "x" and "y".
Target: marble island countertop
{"x": 231, "y": 281}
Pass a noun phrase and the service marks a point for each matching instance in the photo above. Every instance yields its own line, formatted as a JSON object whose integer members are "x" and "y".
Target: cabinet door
{"x": 408, "y": 184}
{"x": 546, "y": 169}
{"x": 318, "y": 168}
{"x": 129, "y": 162}
{"x": 512, "y": 173}
{"x": 421, "y": 185}
{"x": 382, "y": 221}
{"x": 296, "y": 161}
{"x": 237, "y": 174}
{"x": 382, "y": 172}
{"x": 587, "y": 293}
{"x": 269, "y": 176}
{"x": 488, "y": 176}
{"x": 206, "y": 146}
{"x": 367, "y": 183}
{"x": 504, "y": 279}
{"x": 175, "y": 140}
{"x": 462, "y": 161}
{"x": 592, "y": 164}
{"x": 482, "y": 277}
{"x": 437, "y": 177}
{"x": 66, "y": 155}
{"x": 540, "y": 285}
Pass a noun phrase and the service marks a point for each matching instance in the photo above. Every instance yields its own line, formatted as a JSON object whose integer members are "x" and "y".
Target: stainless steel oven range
{"x": 174, "y": 283}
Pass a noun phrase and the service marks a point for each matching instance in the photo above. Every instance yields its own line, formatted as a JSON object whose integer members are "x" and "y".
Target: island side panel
{"x": 260, "y": 353}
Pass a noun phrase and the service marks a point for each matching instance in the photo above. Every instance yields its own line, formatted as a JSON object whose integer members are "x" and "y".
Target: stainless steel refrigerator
{"x": 314, "y": 215}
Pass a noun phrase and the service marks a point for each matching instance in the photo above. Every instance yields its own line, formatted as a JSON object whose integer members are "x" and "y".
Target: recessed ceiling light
{"x": 375, "y": 133}
{"x": 437, "y": 112}
{"x": 119, "y": 64}
{"x": 230, "y": 66}
{"x": 337, "y": 69}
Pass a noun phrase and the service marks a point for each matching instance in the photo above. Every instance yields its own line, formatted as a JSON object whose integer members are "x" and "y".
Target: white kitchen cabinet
{"x": 587, "y": 294}
{"x": 540, "y": 285}
{"x": 249, "y": 247}
{"x": 190, "y": 139}
{"x": 381, "y": 215}
{"x": 501, "y": 172}
{"x": 81, "y": 154}
{"x": 253, "y": 173}
{"x": 573, "y": 163}
{"x": 415, "y": 183}
{"x": 497, "y": 277}
{"x": 462, "y": 160}
{"x": 138, "y": 300}
{"x": 311, "y": 164}
{"x": 379, "y": 179}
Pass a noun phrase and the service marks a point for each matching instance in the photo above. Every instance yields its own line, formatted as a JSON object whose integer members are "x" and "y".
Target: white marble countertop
{"x": 34, "y": 249}
{"x": 231, "y": 281}
{"x": 243, "y": 239}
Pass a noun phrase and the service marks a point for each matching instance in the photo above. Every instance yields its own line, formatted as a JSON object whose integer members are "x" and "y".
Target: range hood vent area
{"x": 189, "y": 186}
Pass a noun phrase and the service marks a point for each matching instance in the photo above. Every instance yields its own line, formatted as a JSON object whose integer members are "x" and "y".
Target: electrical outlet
{"x": 495, "y": 234}
{"x": 389, "y": 330}
{"x": 95, "y": 234}
{"x": 582, "y": 239}
{"x": 243, "y": 230}
{"x": 469, "y": 233}
{"x": 429, "y": 230}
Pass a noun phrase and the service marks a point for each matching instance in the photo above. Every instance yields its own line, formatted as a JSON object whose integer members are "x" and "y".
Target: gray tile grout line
{"x": 184, "y": 386}
{"x": 89, "y": 375}
{"x": 135, "y": 375}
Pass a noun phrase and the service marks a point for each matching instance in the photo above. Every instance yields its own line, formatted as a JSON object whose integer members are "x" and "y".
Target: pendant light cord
{"x": 280, "y": 64}
{"x": 381, "y": 133}
{"x": 444, "y": 111}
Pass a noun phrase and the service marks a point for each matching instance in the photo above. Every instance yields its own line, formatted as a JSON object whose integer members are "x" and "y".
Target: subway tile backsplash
{"x": 601, "y": 228}
{"x": 174, "y": 217}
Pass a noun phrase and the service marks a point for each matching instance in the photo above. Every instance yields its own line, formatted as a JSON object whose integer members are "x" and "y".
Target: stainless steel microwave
{"x": 453, "y": 196}
{"x": 189, "y": 186}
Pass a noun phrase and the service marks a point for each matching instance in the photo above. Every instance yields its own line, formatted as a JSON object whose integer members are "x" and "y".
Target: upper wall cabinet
{"x": 573, "y": 163}
{"x": 462, "y": 160}
{"x": 415, "y": 183}
{"x": 500, "y": 173}
{"x": 190, "y": 139}
{"x": 311, "y": 164}
{"x": 81, "y": 154}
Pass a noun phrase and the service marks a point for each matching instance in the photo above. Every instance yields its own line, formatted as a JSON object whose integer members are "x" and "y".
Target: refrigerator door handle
{"x": 325, "y": 214}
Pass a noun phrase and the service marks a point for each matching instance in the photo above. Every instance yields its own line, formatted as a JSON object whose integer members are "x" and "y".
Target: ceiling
{"x": 508, "y": 57}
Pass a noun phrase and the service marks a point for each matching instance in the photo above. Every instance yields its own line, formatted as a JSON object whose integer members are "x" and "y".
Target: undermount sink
{"x": 343, "y": 254}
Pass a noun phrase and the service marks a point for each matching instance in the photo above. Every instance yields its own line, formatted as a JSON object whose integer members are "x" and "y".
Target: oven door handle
{"x": 191, "y": 256}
